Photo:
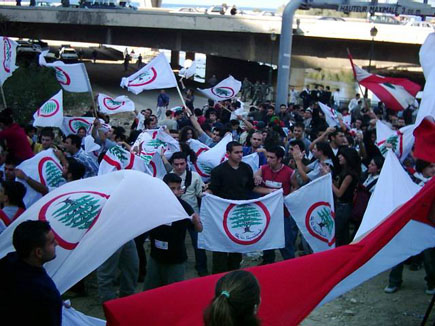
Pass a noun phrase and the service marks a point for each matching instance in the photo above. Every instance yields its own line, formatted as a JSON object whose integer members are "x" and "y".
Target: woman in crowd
{"x": 236, "y": 301}
{"x": 373, "y": 171}
{"x": 11, "y": 199}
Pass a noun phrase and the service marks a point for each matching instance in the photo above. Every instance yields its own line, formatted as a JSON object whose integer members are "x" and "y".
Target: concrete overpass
{"x": 317, "y": 43}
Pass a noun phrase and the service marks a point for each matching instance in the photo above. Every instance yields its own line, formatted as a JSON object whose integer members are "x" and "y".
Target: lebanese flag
{"x": 92, "y": 218}
{"x": 287, "y": 296}
{"x": 225, "y": 90}
{"x": 8, "y": 55}
{"x": 331, "y": 115}
{"x": 110, "y": 105}
{"x": 117, "y": 158}
{"x": 396, "y": 93}
{"x": 312, "y": 208}
{"x": 401, "y": 140}
{"x": 50, "y": 114}
{"x": 72, "y": 77}
{"x": 151, "y": 140}
{"x": 45, "y": 168}
{"x": 242, "y": 225}
{"x": 156, "y": 167}
{"x": 71, "y": 125}
{"x": 155, "y": 75}
{"x": 425, "y": 123}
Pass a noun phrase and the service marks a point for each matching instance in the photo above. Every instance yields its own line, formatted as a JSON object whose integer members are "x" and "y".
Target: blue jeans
{"x": 162, "y": 274}
{"x": 288, "y": 252}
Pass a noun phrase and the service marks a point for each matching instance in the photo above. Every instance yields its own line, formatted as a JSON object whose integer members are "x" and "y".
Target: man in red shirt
{"x": 273, "y": 176}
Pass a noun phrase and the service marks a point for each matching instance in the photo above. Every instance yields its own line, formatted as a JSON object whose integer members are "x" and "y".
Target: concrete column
{"x": 175, "y": 59}
{"x": 190, "y": 55}
{"x": 108, "y": 36}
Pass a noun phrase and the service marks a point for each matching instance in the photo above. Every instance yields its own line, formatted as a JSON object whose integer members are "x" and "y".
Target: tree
{"x": 53, "y": 175}
{"x": 245, "y": 216}
{"x": 325, "y": 219}
{"x": 78, "y": 213}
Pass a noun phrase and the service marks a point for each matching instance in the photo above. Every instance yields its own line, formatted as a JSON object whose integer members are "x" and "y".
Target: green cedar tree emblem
{"x": 155, "y": 143}
{"x": 53, "y": 175}
{"x": 389, "y": 85}
{"x": 222, "y": 92}
{"x": 118, "y": 152}
{"x": 146, "y": 157}
{"x": 80, "y": 124}
{"x": 49, "y": 107}
{"x": 78, "y": 213}
{"x": 205, "y": 168}
{"x": 245, "y": 216}
{"x": 393, "y": 140}
{"x": 326, "y": 220}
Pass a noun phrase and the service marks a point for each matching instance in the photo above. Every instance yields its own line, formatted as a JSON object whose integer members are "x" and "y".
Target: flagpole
{"x": 354, "y": 75}
{"x": 181, "y": 96}
{"x": 90, "y": 88}
{"x": 3, "y": 97}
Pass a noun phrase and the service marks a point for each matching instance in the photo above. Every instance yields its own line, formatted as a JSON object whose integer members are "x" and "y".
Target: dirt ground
{"x": 367, "y": 304}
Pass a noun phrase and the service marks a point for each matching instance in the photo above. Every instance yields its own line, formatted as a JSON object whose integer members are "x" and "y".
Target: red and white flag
{"x": 406, "y": 232}
{"x": 152, "y": 140}
{"x": 92, "y": 218}
{"x": 117, "y": 158}
{"x": 71, "y": 125}
{"x": 72, "y": 77}
{"x": 110, "y": 105}
{"x": 156, "y": 167}
{"x": 188, "y": 72}
{"x": 155, "y": 75}
{"x": 225, "y": 90}
{"x": 425, "y": 123}
{"x": 312, "y": 208}
{"x": 8, "y": 55}
{"x": 331, "y": 115}
{"x": 396, "y": 93}
{"x": 50, "y": 114}
{"x": 400, "y": 141}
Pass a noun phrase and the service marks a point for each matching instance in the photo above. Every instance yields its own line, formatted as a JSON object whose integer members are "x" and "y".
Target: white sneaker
{"x": 430, "y": 291}
{"x": 391, "y": 289}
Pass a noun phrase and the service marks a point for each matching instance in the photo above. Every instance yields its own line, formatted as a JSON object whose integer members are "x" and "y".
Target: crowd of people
{"x": 295, "y": 146}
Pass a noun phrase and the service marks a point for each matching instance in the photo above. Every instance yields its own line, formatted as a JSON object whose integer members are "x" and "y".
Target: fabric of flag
{"x": 393, "y": 188}
{"x": 253, "y": 160}
{"x": 152, "y": 140}
{"x": 189, "y": 71}
{"x": 119, "y": 104}
{"x": 83, "y": 213}
{"x": 156, "y": 167}
{"x": 401, "y": 140}
{"x": 72, "y": 317}
{"x": 208, "y": 159}
{"x": 8, "y": 58}
{"x": 44, "y": 168}
{"x": 155, "y": 75}
{"x": 50, "y": 114}
{"x": 406, "y": 232}
{"x": 312, "y": 208}
{"x": 331, "y": 115}
{"x": 72, "y": 77}
{"x": 225, "y": 90}
{"x": 396, "y": 93}
{"x": 242, "y": 225}
{"x": 425, "y": 122}
{"x": 90, "y": 145}
{"x": 71, "y": 125}
{"x": 117, "y": 158}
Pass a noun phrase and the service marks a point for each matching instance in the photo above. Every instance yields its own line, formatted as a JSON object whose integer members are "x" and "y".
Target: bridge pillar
{"x": 190, "y": 55}
{"x": 175, "y": 59}
{"x": 108, "y": 36}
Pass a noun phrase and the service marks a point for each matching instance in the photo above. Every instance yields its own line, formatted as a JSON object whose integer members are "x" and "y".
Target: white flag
{"x": 242, "y": 225}
{"x": 225, "y": 90}
{"x": 253, "y": 160}
{"x": 117, "y": 158}
{"x": 312, "y": 208}
{"x": 155, "y": 75}
{"x": 189, "y": 71}
{"x": 45, "y": 168}
{"x": 209, "y": 159}
{"x": 331, "y": 115}
{"x": 152, "y": 140}
{"x": 71, "y": 125}
{"x": 401, "y": 140}
{"x": 8, "y": 57}
{"x": 110, "y": 105}
{"x": 394, "y": 188}
{"x": 91, "y": 218}
{"x": 156, "y": 167}
{"x": 50, "y": 114}
{"x": 72, "y": 77}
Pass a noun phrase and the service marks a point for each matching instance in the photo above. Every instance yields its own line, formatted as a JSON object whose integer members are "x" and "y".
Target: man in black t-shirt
{"x": 168, "y": 251}
{"x": 232, "y": 179}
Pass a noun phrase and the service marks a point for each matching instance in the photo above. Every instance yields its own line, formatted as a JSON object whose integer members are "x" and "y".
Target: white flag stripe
{"x": 400, "y": 94}
{"x": 242, "y": 225}
{"x": 401, "y": 140}
{"x": 119, "y": 104}
{"x": 155, "y": 75}
{"x": 50, "y": 114}
{"x": 330, "y": 115}
{"x": 74, "y": 258}
{"x": 312, "y": 208}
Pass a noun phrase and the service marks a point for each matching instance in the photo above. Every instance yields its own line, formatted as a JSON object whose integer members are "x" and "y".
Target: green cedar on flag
{"x": 50, "y": 114}
{"x": 400, "y": 141}
{"x": 242, "y": 225}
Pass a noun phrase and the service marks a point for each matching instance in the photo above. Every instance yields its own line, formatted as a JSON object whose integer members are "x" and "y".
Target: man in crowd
{"x": 72, "y": 147}
{"x": 162, "y": 104}
{"x": 28, "y": 294}
{"x": 256, "y": 142}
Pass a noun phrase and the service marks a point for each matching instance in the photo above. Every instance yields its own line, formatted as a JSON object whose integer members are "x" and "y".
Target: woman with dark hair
{"x": 373, "y": 171}
{"x": 186, "y": 133}
{"x": 11, "y": 199}
{"x": 236, "y": 301}
{"x": 343, "y": 188}
{"x": 15, "y": 136}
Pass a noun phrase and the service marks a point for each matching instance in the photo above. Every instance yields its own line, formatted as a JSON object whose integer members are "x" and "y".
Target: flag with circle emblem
{"x": 225, "y": 90}
{"x": 8, "y": 54}
{"x": 400, "y": 141}
{"x": 109, "y": 105}
{"x": 50, "y": 114}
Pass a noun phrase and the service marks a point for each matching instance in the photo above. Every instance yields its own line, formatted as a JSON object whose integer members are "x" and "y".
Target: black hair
{"x": 168, "y": 113}
{"x": 15, "y": 192}
{"x": 178, "y": 156}
{"x": 47, "y": 132}
{"x": 75, "y": 140}
{"x": 6, "y": 116}
{"x": 237, "y": 296}
{"x": 182, "y": 135}
{"x": 379, "y": 161}
{"x": 299, "y": 125}
{"x": 30, "y": 235}
{"x": 231, "y": 145}
{"x": 76, "y": 169}
{"x": 325, "y": 148}
{"x": 420, "y": 165}
{"x": 353, "y": 162}
{"x": 298, "y": 142}
{"x": 172, "y": 178}
{"x": 277, "y": 150}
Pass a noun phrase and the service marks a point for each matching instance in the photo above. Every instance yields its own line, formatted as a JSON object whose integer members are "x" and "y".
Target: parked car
{"x": 68, "y": 54}
{"x": 384, "y": 19}
{"x": 27, "y": 47}
{"x": 39, "y": 44}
